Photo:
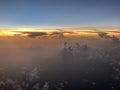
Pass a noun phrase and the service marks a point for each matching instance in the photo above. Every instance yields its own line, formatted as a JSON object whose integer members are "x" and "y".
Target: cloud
{"x": 113, "y": 38}
{"x": 61, "y": 34}
{"x": 103, "y": 35}
{"x": 43, "y": 34}
{"x": 34, "y": 34}
{"x": 57, "y": 35}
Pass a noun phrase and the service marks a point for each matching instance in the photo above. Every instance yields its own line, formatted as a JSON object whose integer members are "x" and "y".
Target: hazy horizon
{"x": 59, "y": 44}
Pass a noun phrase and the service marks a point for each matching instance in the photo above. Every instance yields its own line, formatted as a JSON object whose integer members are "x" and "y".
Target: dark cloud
{"x": 35, "y": 34}
{"x": 103, "y": 35}
{"x": 60, "y": 34}
{"x": 57, "y": 34}
{"x": 113, "y": 38}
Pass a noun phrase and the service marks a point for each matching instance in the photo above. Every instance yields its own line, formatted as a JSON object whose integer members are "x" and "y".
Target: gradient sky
{"x": 59, "y": 13}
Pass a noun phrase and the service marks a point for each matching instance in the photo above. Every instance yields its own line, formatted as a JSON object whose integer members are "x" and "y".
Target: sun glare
{"x": 8, "y": 33}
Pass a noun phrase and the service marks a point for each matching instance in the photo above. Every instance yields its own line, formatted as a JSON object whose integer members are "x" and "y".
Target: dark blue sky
{"x": 59, "y": 13}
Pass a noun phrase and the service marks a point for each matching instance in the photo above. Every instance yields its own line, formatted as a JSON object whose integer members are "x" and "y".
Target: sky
{"x": 59, "y": 13}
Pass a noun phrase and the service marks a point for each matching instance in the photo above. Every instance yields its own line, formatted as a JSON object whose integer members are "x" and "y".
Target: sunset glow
{"x": 24, "y": 32}
{"x": 8, "y": 33}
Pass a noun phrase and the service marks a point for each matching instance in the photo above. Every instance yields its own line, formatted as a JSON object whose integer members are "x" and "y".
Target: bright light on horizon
{"x": 66, "y": 32}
